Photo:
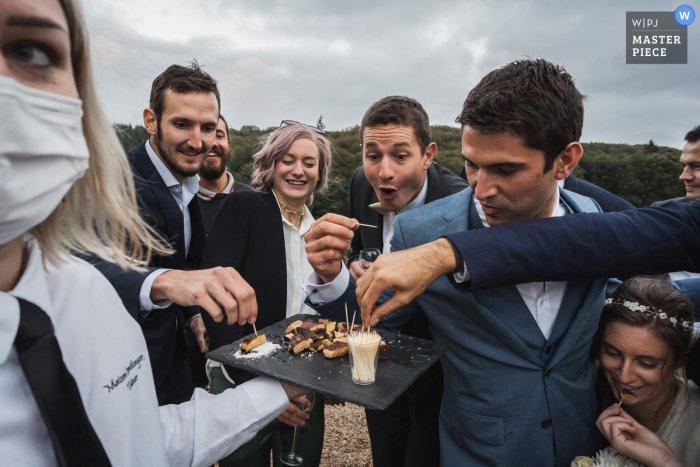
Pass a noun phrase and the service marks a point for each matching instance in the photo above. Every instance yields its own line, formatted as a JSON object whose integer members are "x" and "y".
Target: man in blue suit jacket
{"x": 517, "y": 356}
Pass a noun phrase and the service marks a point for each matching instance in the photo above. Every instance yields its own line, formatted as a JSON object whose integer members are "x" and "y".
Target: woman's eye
{"x": 648, "y": 365}
{"x": 33, "y": 55}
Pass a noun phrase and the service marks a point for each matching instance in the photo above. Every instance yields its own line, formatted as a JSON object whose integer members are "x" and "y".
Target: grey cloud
{"x": 337, "y": 58}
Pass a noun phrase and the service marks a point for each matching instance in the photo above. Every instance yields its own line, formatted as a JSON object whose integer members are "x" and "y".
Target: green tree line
{"x": 639, "y": 173}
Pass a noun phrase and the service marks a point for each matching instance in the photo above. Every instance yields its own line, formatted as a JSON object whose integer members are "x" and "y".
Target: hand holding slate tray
{"x": 409, "y": 357}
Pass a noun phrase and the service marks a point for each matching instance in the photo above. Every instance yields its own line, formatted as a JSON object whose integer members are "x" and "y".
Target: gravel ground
{"x": 346, "y": 441}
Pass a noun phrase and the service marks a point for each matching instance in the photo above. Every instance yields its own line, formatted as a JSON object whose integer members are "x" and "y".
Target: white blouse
{"x": 105, "y": 351}
{"x": 298, "y": 267}
{"x": 681, "y": 429}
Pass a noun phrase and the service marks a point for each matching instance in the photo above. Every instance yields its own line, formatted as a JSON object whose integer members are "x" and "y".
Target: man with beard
{"x": 181, "y": 121}
{"x": 215, "y": 182}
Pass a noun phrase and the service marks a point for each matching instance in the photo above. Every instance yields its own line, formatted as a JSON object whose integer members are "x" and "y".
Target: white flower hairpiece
{"x": 687, "y": 326}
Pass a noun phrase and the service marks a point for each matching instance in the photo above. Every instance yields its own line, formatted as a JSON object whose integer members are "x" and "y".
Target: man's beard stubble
{"x": 170, "y": 160}
{"x": 213, "y": 173}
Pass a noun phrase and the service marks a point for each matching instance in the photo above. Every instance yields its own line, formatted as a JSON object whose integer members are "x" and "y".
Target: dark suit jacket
{"x": 441, "y": 183}
{"x": 158, "y": 207}
{"x": 682, "y": 199}
{"x": 248, "y": 236}
{"x": 606, "y": 200}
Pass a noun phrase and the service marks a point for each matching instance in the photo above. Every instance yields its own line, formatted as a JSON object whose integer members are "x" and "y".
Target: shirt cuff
{"x": 267, "y": 395}
{"x": 145, "y": 295}
{"x": 320, "y": 294}
{"x": 462, "y": 277}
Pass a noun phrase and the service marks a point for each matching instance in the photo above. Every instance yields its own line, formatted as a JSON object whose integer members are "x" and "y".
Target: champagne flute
{"x": 291, "y": 458}
{"x": 368, "y": 256}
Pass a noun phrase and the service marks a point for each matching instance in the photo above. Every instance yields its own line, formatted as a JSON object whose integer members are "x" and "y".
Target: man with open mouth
{"x": 398, "y": 174}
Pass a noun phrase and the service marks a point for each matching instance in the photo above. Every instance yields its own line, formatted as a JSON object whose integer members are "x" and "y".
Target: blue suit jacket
{"x": 510, "y": 394}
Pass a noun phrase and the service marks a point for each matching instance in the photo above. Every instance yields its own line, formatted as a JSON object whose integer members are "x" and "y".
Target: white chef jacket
{"x": 543, "y": 299}
{"x": 105, "y": 351}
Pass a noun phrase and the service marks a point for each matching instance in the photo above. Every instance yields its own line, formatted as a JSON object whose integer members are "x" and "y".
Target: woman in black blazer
{"x": 260, "y": 235}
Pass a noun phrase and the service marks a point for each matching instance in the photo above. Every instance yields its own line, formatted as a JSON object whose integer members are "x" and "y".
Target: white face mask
{"x": 42, "y": 153}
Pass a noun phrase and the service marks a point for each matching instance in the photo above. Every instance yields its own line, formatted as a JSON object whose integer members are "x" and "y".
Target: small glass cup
{"x": 363, "y": 361}
{"x": 368, "y": 256}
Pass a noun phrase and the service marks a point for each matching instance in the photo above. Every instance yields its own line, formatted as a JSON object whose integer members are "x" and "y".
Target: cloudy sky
{"x": 298, "y": 59}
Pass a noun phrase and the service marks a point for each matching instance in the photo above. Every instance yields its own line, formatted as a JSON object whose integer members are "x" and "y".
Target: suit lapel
{"x": 577, "y": 307}
{"x": 459, "y": 215}
{"x": 194, "y": 258}
{"x": 168, "y": 206}
{"x": 373, "y": 238}
{"x": 434, "y": 186}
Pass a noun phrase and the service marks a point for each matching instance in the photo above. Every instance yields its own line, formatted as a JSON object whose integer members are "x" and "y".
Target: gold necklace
{"x": 296, "y": 213}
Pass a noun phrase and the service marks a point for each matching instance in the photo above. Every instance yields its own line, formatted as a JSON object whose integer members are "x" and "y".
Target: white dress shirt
{"x": 543, "y": 299}
{"x": 298, "y": 267}
{"x": 105, "y": 351}
{"x": 183, "y": 194}
{"x": 320, "y": 294}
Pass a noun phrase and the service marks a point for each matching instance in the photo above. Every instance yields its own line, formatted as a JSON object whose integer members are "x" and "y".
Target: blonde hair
{"x": 99, "y": 214}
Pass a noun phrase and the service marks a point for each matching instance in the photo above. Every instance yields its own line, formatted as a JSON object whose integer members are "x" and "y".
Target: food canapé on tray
{"x": 253, "y": 341}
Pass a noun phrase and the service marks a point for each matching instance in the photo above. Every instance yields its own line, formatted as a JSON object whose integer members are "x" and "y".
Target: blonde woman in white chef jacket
{"x": 65, "y": 184}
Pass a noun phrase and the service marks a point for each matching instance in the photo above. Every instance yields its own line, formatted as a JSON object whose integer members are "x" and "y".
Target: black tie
{"x": 74, "y": 440}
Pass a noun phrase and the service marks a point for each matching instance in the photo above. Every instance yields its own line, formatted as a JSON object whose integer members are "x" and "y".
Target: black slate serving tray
{"x": 409, "y": 357}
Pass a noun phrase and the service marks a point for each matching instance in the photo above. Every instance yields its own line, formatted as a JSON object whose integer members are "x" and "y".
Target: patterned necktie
{"x": 74, "y": 441}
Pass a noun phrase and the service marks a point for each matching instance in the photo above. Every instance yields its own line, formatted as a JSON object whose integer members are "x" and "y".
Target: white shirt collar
{"x": 559, "y": 209}
{"x": 206, "y": 193}
{"x": 191, "y": 183}
{"x": 32, "y": 287}
{"x": 419, "y": 200}
{"x": 560, "y": 183}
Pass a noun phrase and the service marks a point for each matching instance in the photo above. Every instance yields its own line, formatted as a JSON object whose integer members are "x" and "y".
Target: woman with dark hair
{"x": 641, "y": 346}
{"x": 260, "y": 235}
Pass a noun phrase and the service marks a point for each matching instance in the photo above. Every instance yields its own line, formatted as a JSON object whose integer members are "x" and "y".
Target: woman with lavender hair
{"x": 260, "y": 235}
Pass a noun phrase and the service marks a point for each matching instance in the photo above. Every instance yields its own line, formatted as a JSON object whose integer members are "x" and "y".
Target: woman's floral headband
{"x": 686, "y": 326}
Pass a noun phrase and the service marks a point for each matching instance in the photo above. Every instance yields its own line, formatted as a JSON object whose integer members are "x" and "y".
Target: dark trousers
{"x": 196, "y": 360}
{"x": 177, "y": 386}
{"x": 405, "y": 434}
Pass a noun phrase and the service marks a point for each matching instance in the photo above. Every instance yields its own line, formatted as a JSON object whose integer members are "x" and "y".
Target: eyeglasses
{"x": 293, "y": 122}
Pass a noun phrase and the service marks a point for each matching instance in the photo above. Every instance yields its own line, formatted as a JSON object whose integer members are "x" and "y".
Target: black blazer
{"x": 441, "y": 183}
{"x": 607, "y": 201}
{"x": 160, "y": 210}
{"x": 248, "y": 236}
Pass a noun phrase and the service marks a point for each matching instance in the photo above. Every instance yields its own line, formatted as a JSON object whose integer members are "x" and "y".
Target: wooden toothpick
{"x": 347, "y": 321}
{"x": 256, "y": 331}
{"x": 366, "y": 225}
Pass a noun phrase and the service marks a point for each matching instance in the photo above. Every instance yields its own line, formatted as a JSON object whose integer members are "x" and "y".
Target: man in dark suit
{"x": 690, "y": 160}
{"x": 181, "y": 121}
{"x": 607, "y": 201}
{"x": 398, "y": 175}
